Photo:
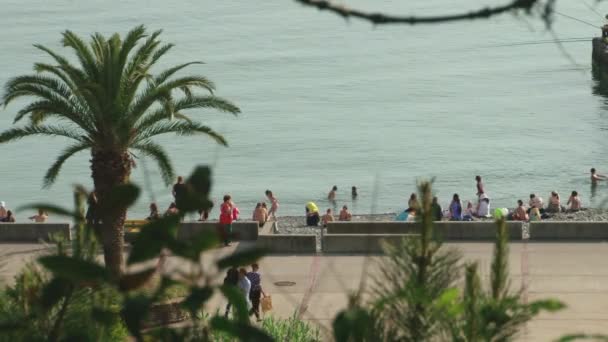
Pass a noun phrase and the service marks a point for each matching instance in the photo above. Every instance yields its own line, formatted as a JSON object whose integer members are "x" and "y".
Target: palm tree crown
{"x": 110, "y": 102}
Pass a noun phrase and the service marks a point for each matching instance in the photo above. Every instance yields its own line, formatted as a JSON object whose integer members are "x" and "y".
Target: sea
{"x": 327, "y": 101}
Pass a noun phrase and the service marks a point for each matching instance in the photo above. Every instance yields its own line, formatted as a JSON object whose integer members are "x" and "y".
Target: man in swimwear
{"x": 596, "y": 177}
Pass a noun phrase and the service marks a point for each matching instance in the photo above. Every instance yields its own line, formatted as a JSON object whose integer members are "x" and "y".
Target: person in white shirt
{"x": 483, "y": 209}
{"x": 245, "y": 286}
{"x": 536, "y": 202}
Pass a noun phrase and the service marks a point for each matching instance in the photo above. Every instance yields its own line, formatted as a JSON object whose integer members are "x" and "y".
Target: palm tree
{"x": 111, "y": 104}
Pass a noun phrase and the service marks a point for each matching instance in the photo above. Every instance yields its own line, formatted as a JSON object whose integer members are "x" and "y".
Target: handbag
{"x": 266, "y": 304}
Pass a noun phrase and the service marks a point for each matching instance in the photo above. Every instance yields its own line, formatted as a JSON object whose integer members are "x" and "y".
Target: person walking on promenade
{"x": 226, "y": 217}
{"x": 245, "y": 286}
{"x": 456, "y": 209}
{"x": 256, "y": 291}
{"x": 179, "y": 191}
{"x": 231, "y": 279}
{"x": 274, "y": 205}
{"x": 41, "y": 217}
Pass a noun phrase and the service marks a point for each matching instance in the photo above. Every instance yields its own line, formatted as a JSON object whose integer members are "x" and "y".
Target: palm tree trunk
{"x": 109, "y": 169}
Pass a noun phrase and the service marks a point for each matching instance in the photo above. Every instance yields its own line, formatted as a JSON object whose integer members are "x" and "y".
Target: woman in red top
{"x": 226, "y": 219}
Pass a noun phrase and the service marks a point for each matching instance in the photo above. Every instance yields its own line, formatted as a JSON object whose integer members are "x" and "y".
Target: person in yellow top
{"x": 312, "y": 214}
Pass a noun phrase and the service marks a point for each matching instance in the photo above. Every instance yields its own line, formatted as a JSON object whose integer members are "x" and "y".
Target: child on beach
{"x": 574, "y": 202}
{"x": 469, "y": 212}
{"x": 328, "y": 217}
{"x": 274, "y": 204}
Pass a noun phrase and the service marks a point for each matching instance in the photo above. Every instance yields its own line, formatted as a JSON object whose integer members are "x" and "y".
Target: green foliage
{"x": 291, "y": 329}
{"x": 74, "y": 287}
{"x": 415, "y": 297}
{"x": 415, "y": 281}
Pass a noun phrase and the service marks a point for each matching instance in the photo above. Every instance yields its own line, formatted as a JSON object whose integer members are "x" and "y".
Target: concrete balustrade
{"x": 32, "y": 232}
{"x": 446, "y": 230}
{"x": 288, "y": 243}
{"x": 568, "y": 230}
{"x": 360, "y": 243}
{"x": 241, "y": 230}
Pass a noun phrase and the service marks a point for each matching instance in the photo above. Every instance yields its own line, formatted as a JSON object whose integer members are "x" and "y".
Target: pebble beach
{"x": 297, "y": 224}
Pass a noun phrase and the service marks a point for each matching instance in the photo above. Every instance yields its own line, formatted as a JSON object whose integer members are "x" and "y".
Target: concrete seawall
{"x": 446, "y": 230}
{"x": 556, "y": 230}
{"x": 241, "y": 230}
{"x": 32, "y": 232}
{"x": 288, "y": 243}
{"x": 359, "y": 243}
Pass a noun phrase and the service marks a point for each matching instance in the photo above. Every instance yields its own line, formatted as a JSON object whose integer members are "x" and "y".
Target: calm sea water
{"x": 328, "y": 102}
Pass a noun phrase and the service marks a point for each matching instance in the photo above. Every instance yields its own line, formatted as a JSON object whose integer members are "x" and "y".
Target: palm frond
{"x": 53, "y": 171}
{"x": 163, "y": 76}
{"x": 22, "y": 132}
{"x": 184, "y": 128}
{"x": 157, "y": 153}
{"x": 83, "y": 53}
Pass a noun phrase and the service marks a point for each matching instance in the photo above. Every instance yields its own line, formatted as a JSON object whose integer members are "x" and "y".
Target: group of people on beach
{"x": 534, "y": 211}
{"x": 313, "y": 216}
{"x": 6, "y": 215}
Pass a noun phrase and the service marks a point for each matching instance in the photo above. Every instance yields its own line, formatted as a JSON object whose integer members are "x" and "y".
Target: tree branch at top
{"x": 381, "y": 18}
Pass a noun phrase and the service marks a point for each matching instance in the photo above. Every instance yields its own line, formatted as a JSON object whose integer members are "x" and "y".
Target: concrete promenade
{"x": 576, "y": 273}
